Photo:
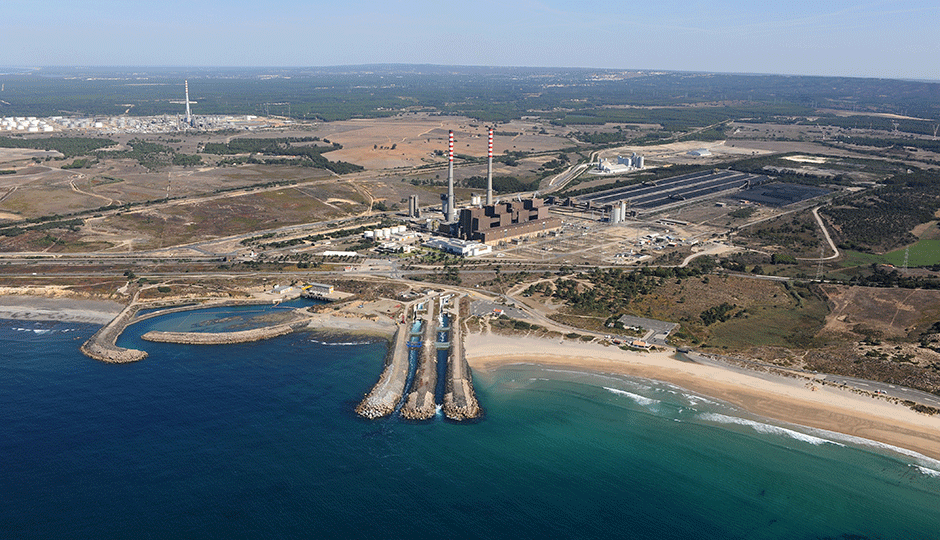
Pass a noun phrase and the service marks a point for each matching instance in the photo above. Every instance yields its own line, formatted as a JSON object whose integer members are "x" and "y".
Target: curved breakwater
{"x": 102, "y": 345}
{"x": 223, "y": 338}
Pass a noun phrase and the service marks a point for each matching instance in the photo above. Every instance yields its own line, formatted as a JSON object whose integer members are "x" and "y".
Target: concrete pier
{"x": 460, "y": 401}
{"x": 420, "y": 404}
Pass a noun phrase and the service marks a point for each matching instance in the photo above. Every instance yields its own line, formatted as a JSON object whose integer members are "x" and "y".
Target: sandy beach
{"x": 40, "y": 308}
{"x": 780, "y": 398}
{"x": 787, "y": 399}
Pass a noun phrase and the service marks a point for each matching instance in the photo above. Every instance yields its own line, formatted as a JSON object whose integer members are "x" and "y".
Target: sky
{"x": 885, "y": 39}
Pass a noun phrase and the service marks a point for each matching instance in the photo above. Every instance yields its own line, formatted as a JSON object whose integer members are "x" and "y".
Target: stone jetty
{"x": 223, "y": 338}
{"x": 420, "y": 403}
{"x": 387, "y": 392}
{"x": 460, "y": 402}
{"x": 101, "y": 346}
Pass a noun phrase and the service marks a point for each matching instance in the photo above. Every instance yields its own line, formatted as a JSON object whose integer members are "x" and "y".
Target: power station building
{"x": 506, "y": 220}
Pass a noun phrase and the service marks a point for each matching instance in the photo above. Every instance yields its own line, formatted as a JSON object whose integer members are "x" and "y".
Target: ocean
{"x": 260, "y": 440}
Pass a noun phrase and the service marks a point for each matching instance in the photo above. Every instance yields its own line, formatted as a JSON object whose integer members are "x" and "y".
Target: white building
{"x": 463, "y": 248}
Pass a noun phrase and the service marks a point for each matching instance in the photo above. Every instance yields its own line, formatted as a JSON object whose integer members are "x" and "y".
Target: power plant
{"x": 492, "y": 222}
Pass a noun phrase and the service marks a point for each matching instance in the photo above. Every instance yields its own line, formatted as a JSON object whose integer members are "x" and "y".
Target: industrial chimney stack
{"x": 189, "y": 116}
{"x": 489, "y": 170}
{"x": 451, "y": 212}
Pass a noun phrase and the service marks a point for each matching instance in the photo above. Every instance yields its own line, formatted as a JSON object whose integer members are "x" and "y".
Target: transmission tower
{"x": 819, "y": 265}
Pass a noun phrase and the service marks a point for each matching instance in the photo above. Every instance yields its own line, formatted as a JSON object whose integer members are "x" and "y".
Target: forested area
{"x": 881, "y": 219}
{"x": 69, "y": 147}
{"x": 570, "y": 96}
{"x": 304, "y": 155}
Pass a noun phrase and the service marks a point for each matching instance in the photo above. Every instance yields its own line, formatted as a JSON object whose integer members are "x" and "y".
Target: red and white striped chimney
{"x": 451, "y": 212}
{"x": 489, "y": 169}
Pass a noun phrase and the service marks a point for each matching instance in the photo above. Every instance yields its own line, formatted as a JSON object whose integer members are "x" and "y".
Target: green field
{"x": 922, "y": 253}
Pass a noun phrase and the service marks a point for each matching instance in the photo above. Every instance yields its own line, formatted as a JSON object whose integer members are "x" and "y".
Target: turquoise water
{"x": 259, "y": 440}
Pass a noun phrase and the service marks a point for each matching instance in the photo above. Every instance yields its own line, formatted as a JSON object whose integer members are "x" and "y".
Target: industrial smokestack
{"x": 451, "y": 212}
{"x": 189, "y": 116}
{"x": 489, "y": 170}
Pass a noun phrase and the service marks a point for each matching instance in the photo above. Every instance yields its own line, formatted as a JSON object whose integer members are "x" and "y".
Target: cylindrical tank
{"x": 370, "y": 235}
{"x": 386, "y": 233}
{"x": 639, "y": 162}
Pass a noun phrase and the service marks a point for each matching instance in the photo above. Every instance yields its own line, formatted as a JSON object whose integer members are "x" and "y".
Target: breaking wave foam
{"x": 642, "y": 400}
{"x": 761, "y": 427}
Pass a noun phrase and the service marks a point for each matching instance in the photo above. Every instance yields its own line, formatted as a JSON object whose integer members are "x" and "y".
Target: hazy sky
{"x": 893, "y": 39}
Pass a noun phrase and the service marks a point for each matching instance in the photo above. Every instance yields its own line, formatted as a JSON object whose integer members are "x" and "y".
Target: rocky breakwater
{"x": 460, "y": 401}
{"x": 101, "y": 346}
{"x": 223, "y": 338}
{"x": 387, "y": 392}
{"x": 420, "y": 404}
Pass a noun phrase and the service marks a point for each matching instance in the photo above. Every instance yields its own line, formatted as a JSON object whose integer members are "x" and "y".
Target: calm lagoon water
{"x": 259, "y": 440}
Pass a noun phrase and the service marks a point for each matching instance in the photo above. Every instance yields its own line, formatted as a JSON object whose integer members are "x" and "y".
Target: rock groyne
{"x": 101, "y": 346}
{"x": 387, "y": 392}
{"x": 223, "y": 338}
{"x": 460, "y": 401}
{"x": 420, "y": 404}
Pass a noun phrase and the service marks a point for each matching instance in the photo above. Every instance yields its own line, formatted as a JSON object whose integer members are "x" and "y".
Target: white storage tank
{"x": 400, "y": 229}
{"x": 386, "y": 233}
{"x": 370, "y": 235}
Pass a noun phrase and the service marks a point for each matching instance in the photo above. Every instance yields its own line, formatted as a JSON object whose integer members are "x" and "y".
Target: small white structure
{"x": 459, "y": 247}
{"x": 340, "y": 254}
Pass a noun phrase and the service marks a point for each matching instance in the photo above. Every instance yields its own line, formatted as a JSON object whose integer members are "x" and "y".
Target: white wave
{"x": 340, "y": 343}
{"x": 38, "y": 331}
{"x": 922, "y": 462}
{"x": 642, "y": 400}
{"x": 927, "y": 472}
{"x": 761, "y": 427}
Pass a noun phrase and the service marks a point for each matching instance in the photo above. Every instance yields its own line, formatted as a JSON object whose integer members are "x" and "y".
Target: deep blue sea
{"x": 259, "y": 440}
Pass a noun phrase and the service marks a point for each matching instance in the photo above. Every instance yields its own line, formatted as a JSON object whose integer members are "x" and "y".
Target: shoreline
{"x": 65, "y": 309}
{"x": 784, "y": 399}
{"x": 799, "y": 401}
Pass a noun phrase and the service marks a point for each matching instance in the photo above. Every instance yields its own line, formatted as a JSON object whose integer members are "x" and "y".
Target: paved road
{"x": 890, "y": 390}
{"x": 825, "y": 231}
{"x": 886, "y": 389}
